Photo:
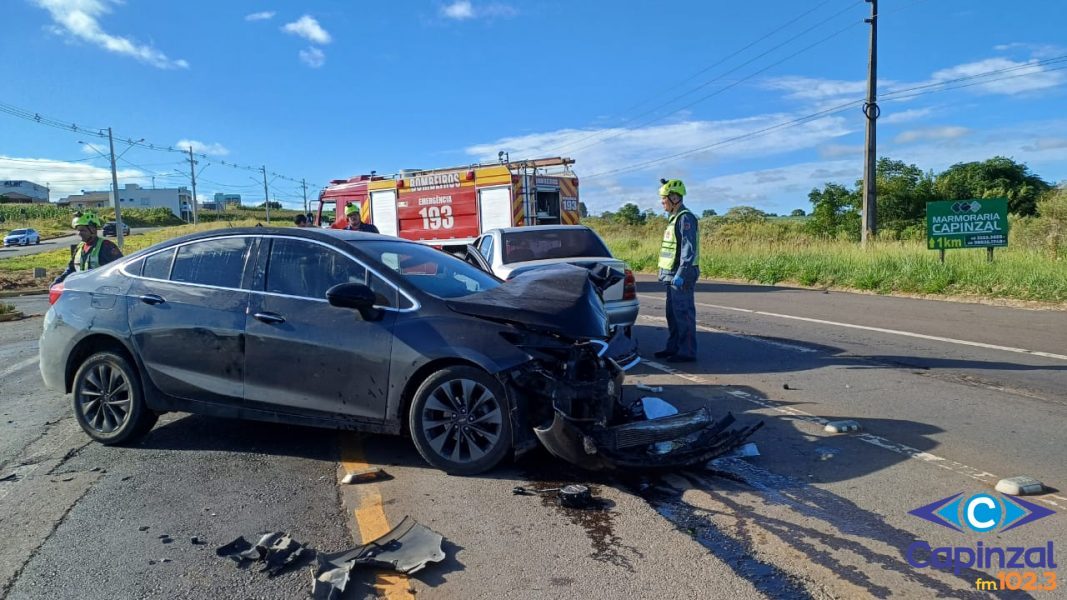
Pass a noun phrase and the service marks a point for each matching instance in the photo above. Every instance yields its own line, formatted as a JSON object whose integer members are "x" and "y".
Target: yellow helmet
{"x": 352, "y": 209}
{"x": 88, "y": 220}
{"x": 672, "y": 186}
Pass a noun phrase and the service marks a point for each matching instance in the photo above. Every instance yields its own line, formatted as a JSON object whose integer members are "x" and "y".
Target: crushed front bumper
{"x": 692, "y": 438}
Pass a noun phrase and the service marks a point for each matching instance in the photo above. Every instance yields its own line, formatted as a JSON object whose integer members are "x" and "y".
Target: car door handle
{"x": 152, "y": 299}
{"x": 270, "y": 318}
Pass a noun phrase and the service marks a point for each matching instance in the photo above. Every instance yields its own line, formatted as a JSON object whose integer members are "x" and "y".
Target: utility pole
{"x": 119, "y": 238}
{"x": 304, "y": 184}
{"x": 871, "y": 111}
{"x": 192, "y": 175}
{"x": 266, "y": 194}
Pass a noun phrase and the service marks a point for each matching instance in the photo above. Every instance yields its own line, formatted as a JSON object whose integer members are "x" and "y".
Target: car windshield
{"x": 432, "y": 271}
{"x": 522, "y": 246}
{"x": 17, "y": 232}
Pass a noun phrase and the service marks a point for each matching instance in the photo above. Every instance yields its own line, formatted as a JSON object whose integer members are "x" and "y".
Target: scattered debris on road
{"x": 143, "y": 528}
{"x": 1022, "y": 485}
{"x": 749, "y": 450}
{"x": 10, "y": 477}
{"x": 196, "y": 541}
{"x": 575, "y": 496}
{"x": 277, "y": 550}
{"x": 366, "y": 475}
{"x": 655, "y": 389}
{"x": 842, "y": 426}
{"x": 407, "y": 548}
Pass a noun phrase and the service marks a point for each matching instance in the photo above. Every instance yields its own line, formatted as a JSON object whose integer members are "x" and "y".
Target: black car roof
{"x": 298, "y": 232}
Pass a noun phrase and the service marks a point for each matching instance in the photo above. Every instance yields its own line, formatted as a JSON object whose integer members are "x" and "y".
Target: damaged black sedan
{"x": 363, "y": 332}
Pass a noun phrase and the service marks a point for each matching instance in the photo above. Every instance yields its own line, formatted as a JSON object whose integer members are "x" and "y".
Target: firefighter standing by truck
{"x": 94, "y": 251}
{"x": 679, "y": 258}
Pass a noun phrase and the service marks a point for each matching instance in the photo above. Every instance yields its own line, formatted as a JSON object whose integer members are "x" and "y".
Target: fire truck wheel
{"x": 460, "y": 422}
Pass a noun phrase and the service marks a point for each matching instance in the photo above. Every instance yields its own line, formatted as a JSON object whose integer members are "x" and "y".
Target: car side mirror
{"x": 357, "y": 296}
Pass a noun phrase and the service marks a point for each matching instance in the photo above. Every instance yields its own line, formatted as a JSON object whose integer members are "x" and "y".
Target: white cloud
{"x": 628, "y": 147}
{"x": 313, "y": 57}
{"x": 308, "y": 28}
{"x": 1039, "y": 51}
{"x": 1022, "y": 76}
{"x": 811, "y": 88}
{"x": 460, "y": 10}
{"x": 261, "y": 16}
{"x": 904, "y": 116}
{"x": 931, "y": 134}
{"x": 213, "y": 149}
{"x": 464, "y": 10}
{"x": 1046, "y": 143}
{"x": 64, "y": 178}
{"x": 79, "y": 19}
{"x": 840, "y": 151}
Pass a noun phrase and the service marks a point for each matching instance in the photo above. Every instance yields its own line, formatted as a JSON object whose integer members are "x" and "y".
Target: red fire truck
{"x": 450, "y": 207}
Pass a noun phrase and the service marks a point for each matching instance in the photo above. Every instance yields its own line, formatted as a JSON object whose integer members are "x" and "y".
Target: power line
{"x": 40, "y": 119}
{"x": 721, "y": 76}
{"x": 825, "y": 112}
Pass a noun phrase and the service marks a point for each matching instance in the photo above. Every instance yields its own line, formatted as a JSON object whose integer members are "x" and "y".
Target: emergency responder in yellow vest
{"x": 93, "y": 251}
{"x": 679, "y": 260}
{"x": 355, "y": 220}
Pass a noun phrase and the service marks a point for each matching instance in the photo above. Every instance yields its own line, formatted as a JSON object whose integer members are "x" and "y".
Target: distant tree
{"x": 835, "y": 210}
{"x": 630, "y": 214}
{"x": 583, "y": 212}
{"x": 997, "y": 177}
{"x": 274, "y": 205}
{"x": 607, "y": 215}
{"x": 903, "y": 191}
{"x": 799, "y": 212}
{"x": 708, "y": 212}
{"x": 745, "y": 214}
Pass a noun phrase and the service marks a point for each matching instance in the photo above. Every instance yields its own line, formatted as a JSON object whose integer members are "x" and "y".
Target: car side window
{"x": 486, "y": 249}
{"x": 218, "y": 262}
{"x": 157, "y": 266}
{"x": 306, "y": 270}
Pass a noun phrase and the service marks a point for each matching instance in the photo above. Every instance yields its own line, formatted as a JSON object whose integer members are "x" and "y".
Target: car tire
{"x": 109, "y": 401}
{"x": 460, "y": 421}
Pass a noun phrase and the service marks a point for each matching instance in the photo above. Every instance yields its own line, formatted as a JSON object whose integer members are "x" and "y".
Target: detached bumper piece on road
{"x": 691, "y": 438}
{"x": 407, "y": 548}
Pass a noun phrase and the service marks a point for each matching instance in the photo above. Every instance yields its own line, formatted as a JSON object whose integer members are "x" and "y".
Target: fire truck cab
{"x": 450, "y": 207}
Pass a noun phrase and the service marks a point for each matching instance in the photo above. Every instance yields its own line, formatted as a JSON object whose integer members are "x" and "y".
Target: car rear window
{"x": 157, "y": 266}
{"x": 218, "y": 262}
{"x": 522, "y": 246}
{"x": 306, "y": 270}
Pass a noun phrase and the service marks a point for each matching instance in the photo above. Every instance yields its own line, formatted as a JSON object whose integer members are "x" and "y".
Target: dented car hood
{"x": 561, "y": 299}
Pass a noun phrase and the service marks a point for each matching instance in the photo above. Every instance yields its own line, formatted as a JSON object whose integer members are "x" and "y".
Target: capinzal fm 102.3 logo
{"x": 1017, "y": 567}
{"x": 981, "y": 512}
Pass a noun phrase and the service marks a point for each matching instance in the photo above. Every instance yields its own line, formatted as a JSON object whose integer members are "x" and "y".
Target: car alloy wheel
{"x": 460, "y": 422}
{"x": 109, "y": 401}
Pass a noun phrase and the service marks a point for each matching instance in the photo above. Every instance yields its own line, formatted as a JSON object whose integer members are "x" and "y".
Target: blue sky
{"x": 324, "y": 89}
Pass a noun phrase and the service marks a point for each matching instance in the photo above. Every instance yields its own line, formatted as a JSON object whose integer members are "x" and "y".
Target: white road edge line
{"x": 742, "y": 336}
{"x": 20, "y": 365}
{"x": 874, "y": 440}
{"x": 922, "y": 336}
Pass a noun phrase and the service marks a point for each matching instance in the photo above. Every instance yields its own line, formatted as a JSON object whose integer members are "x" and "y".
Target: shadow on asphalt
{"x": 203, "y": 433}
{"x": 655, "y": 287}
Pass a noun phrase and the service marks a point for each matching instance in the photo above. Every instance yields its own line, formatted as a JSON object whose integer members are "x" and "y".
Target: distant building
{"x": 178, "y": 200}
{"x": 222, "y": 202}
{"x": 22, "y": 191}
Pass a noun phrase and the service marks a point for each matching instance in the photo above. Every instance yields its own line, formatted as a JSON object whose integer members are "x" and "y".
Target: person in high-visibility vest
{"x": 679, "y": 260}
{"x": 355, "y": 220}
{"x": 94, "y": 251}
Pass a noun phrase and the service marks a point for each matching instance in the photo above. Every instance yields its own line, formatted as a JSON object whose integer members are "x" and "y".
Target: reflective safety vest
{"x": 668, "y": 250}
{"x": 86, "y": 262}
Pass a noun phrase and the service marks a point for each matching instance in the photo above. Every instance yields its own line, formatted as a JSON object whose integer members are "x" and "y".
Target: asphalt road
{"x": 60, "y": 242}
{"x": 816, "y": 515}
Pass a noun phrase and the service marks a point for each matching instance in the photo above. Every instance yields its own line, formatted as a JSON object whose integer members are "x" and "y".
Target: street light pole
{"x": 871, "y": 111}
{"x": 115, "y": 186}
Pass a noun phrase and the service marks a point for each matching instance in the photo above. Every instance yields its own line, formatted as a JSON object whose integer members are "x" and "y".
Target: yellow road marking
{"x": 370, "y": 516}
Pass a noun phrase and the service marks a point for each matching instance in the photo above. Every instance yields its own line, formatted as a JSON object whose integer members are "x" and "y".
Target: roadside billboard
{"x": 954, "y": 224}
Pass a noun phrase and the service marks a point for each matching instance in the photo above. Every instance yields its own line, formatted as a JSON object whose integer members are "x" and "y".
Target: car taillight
{"x": 54, "y": 293}
{"x": 629, "y": 286}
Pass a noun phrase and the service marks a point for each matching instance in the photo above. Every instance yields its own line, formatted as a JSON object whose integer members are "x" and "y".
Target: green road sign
{"x": 967, "y": 224}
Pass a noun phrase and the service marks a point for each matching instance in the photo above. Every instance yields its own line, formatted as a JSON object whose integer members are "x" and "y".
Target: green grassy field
{"x": 781, "y": 253}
